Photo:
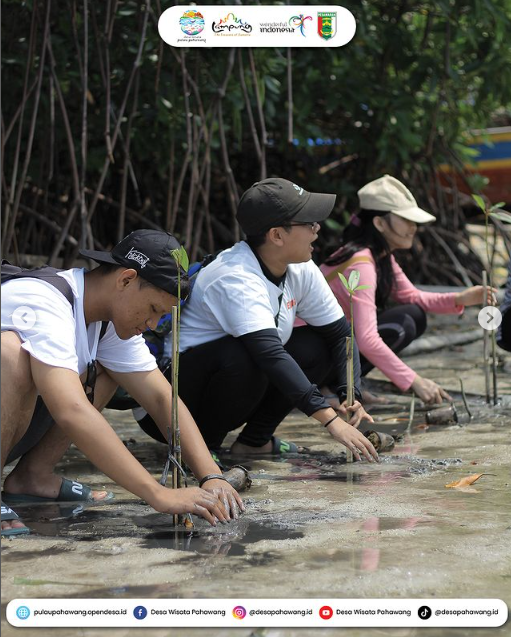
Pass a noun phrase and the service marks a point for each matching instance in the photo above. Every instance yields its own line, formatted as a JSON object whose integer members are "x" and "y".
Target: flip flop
{"x": 70, "y": 491}
{"x": 7, "y": 515}
{"x": 216, "y": 459}
{"x": 282, "y": 447}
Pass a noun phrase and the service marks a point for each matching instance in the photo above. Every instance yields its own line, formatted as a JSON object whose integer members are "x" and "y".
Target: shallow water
{"x": 313, "y": 523}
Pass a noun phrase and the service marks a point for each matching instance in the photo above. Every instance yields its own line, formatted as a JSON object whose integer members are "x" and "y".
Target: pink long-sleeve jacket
{"x": 370, "y": 344}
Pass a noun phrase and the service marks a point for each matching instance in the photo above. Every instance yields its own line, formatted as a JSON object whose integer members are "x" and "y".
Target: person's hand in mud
{"x": 192, "y": 500}
{"x": 227, "y": 494}
{"x": 475, "y": 296}
{"x": 351, "y": 438}
{"x": 354, "y": 414}
{"x": 429, "y": 392}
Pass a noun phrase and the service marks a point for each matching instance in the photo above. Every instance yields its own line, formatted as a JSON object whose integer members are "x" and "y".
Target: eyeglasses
{"x": 311, "y": 224}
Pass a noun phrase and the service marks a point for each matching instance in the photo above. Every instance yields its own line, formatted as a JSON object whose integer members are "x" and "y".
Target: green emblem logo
{"x": 327, "y": 24}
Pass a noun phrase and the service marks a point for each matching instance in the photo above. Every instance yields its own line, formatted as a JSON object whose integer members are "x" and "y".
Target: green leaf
{"x": 479, "y": 201}
{"x": 354, "y": 278}
{"x": 502, "y": 216}
{"x": 344, "y": 281}
{"x": 501, "y": 204}
{"x": 183, "y": 259}
{"x": 363, "y": 287}
{"x": 180, "y": 257}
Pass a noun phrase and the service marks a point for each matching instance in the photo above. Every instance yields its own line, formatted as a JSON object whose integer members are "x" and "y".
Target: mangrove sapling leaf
{"x": 464, "y": 482}
{"x": 503, "y": 215}
{"x": 353, "y": 280}
{"x": 344, "y": 280}
{"x": 361, "y": 287}
{"x": 480, "y": 202}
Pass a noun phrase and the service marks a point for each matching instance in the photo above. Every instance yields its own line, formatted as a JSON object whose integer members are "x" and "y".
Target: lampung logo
{"x": 238, "y": 612}
{"x": 298, "y": 22}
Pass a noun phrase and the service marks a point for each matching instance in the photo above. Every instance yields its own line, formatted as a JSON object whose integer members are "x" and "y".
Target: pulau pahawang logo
{"x": 231, "y": 25}
{"x": 327, "y": 24}
{"x": 298, "y": 22}
{"x": 192, "y": 22}
{"x": 238, "y": 612}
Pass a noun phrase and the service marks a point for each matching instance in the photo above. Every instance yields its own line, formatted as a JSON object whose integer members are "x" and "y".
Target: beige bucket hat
{"x": 389, "y": 194}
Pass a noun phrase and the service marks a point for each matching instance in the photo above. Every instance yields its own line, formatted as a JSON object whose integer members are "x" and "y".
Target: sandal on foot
{"x": 8, "y": 515}
{"x": 281, "y": 447}
{"x": 217, "y": 460}
{"x": 70, "y": 491}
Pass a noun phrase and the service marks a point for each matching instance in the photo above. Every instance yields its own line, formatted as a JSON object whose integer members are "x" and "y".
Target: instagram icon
{"x": 238, "y": 612}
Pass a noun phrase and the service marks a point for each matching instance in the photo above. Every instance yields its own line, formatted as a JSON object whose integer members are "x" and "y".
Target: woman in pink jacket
{"x": 387, "y": 222}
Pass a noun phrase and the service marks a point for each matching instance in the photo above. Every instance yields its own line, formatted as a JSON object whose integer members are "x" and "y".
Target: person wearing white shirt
{"x": 60, "y": 349}
{"x": 242, "y": 361}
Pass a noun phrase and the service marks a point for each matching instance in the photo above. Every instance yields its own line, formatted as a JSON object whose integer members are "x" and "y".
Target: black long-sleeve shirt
{"x": 283, "y": 371}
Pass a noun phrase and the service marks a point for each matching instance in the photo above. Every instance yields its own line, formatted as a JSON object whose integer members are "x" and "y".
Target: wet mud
{"x": 315, "y": 526}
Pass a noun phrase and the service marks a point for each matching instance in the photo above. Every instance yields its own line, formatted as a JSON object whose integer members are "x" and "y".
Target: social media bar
{"x": 296, "y": 613}
{"x": 257, "y": 26}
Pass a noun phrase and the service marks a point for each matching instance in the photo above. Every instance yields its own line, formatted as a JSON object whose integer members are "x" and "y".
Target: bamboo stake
{"x": 486, "y": 335}
{"x": 174, "y": 440}
{"x": 350, "y": 391}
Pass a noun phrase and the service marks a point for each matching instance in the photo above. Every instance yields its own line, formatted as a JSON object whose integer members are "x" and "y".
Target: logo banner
{"x": 257, "y": 26}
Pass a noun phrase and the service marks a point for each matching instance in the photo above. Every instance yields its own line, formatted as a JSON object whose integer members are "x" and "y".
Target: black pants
{"x": 504, "y": 340}
{"x": 40, "y": 423}
{"x": 223, "y": 388}
{"x": 398, "y": 327}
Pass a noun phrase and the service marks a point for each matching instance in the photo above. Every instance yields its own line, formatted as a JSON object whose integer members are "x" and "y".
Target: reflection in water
{"x": 370, "y": 558}
{"x": 232, "y": 542}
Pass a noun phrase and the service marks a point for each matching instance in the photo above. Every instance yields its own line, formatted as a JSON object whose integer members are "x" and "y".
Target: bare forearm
{"x": 195, "y": 452}
{"x": 92, "y": 434}
{"x": 154, "y": 393}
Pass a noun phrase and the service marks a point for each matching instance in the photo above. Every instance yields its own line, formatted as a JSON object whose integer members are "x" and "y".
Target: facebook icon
{"x": 140, "y": 612}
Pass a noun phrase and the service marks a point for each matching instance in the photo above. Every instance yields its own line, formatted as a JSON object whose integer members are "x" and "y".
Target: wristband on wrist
{"x": 329, "y": 422}
{"x": 212, "y": 476}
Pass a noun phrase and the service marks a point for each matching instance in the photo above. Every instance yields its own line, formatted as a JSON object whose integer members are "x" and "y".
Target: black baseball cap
{"x": 274, "y": 202}
{"x": 149, "y": 253}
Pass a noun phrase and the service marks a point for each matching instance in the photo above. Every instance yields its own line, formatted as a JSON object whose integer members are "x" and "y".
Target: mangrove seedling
{"x": 491, "y": 212}
{"x": 351, "y": 285}
{"x": 174, "y": 437}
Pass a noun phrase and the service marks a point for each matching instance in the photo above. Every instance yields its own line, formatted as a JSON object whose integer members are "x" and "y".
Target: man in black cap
{"x": 75, "y": 330}
{"x": 242, "y": 360}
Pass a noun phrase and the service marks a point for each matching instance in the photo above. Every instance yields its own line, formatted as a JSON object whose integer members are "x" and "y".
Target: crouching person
{"x": 76, "y": 331}
{"x": 242, "y": 362}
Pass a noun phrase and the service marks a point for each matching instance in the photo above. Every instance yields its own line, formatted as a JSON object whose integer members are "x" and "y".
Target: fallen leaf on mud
{"x": 464, "y": 482}
{"x": 424, "y": 427}
{"x": 473, "y": 462}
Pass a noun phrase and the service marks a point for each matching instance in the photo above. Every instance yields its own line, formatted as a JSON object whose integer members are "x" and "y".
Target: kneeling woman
{"x": 387, "y": 221}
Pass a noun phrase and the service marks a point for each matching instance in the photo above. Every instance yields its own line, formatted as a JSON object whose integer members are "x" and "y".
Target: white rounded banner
{"x": 257, "y": 26}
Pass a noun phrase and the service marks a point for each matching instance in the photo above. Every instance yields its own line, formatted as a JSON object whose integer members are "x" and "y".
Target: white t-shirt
{"x": 60, "y": 336}
{"x": 232, "y": 296}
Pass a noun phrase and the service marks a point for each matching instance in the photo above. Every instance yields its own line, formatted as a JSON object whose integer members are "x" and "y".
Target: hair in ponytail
{"x": 359, "y": 235}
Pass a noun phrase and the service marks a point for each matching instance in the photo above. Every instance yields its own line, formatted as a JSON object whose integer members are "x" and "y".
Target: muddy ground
{"x": 314, "y": 527}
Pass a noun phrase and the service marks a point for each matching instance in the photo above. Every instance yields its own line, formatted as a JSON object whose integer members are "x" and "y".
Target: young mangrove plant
{"x": 491, "y": 212}
{"x": 351, "y": 285}
{"x": 174, "y": 437}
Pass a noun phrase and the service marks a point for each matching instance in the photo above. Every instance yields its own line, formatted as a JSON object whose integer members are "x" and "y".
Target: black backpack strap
{"x": 46, "y": 273}
{"x": 104, "y": 327}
